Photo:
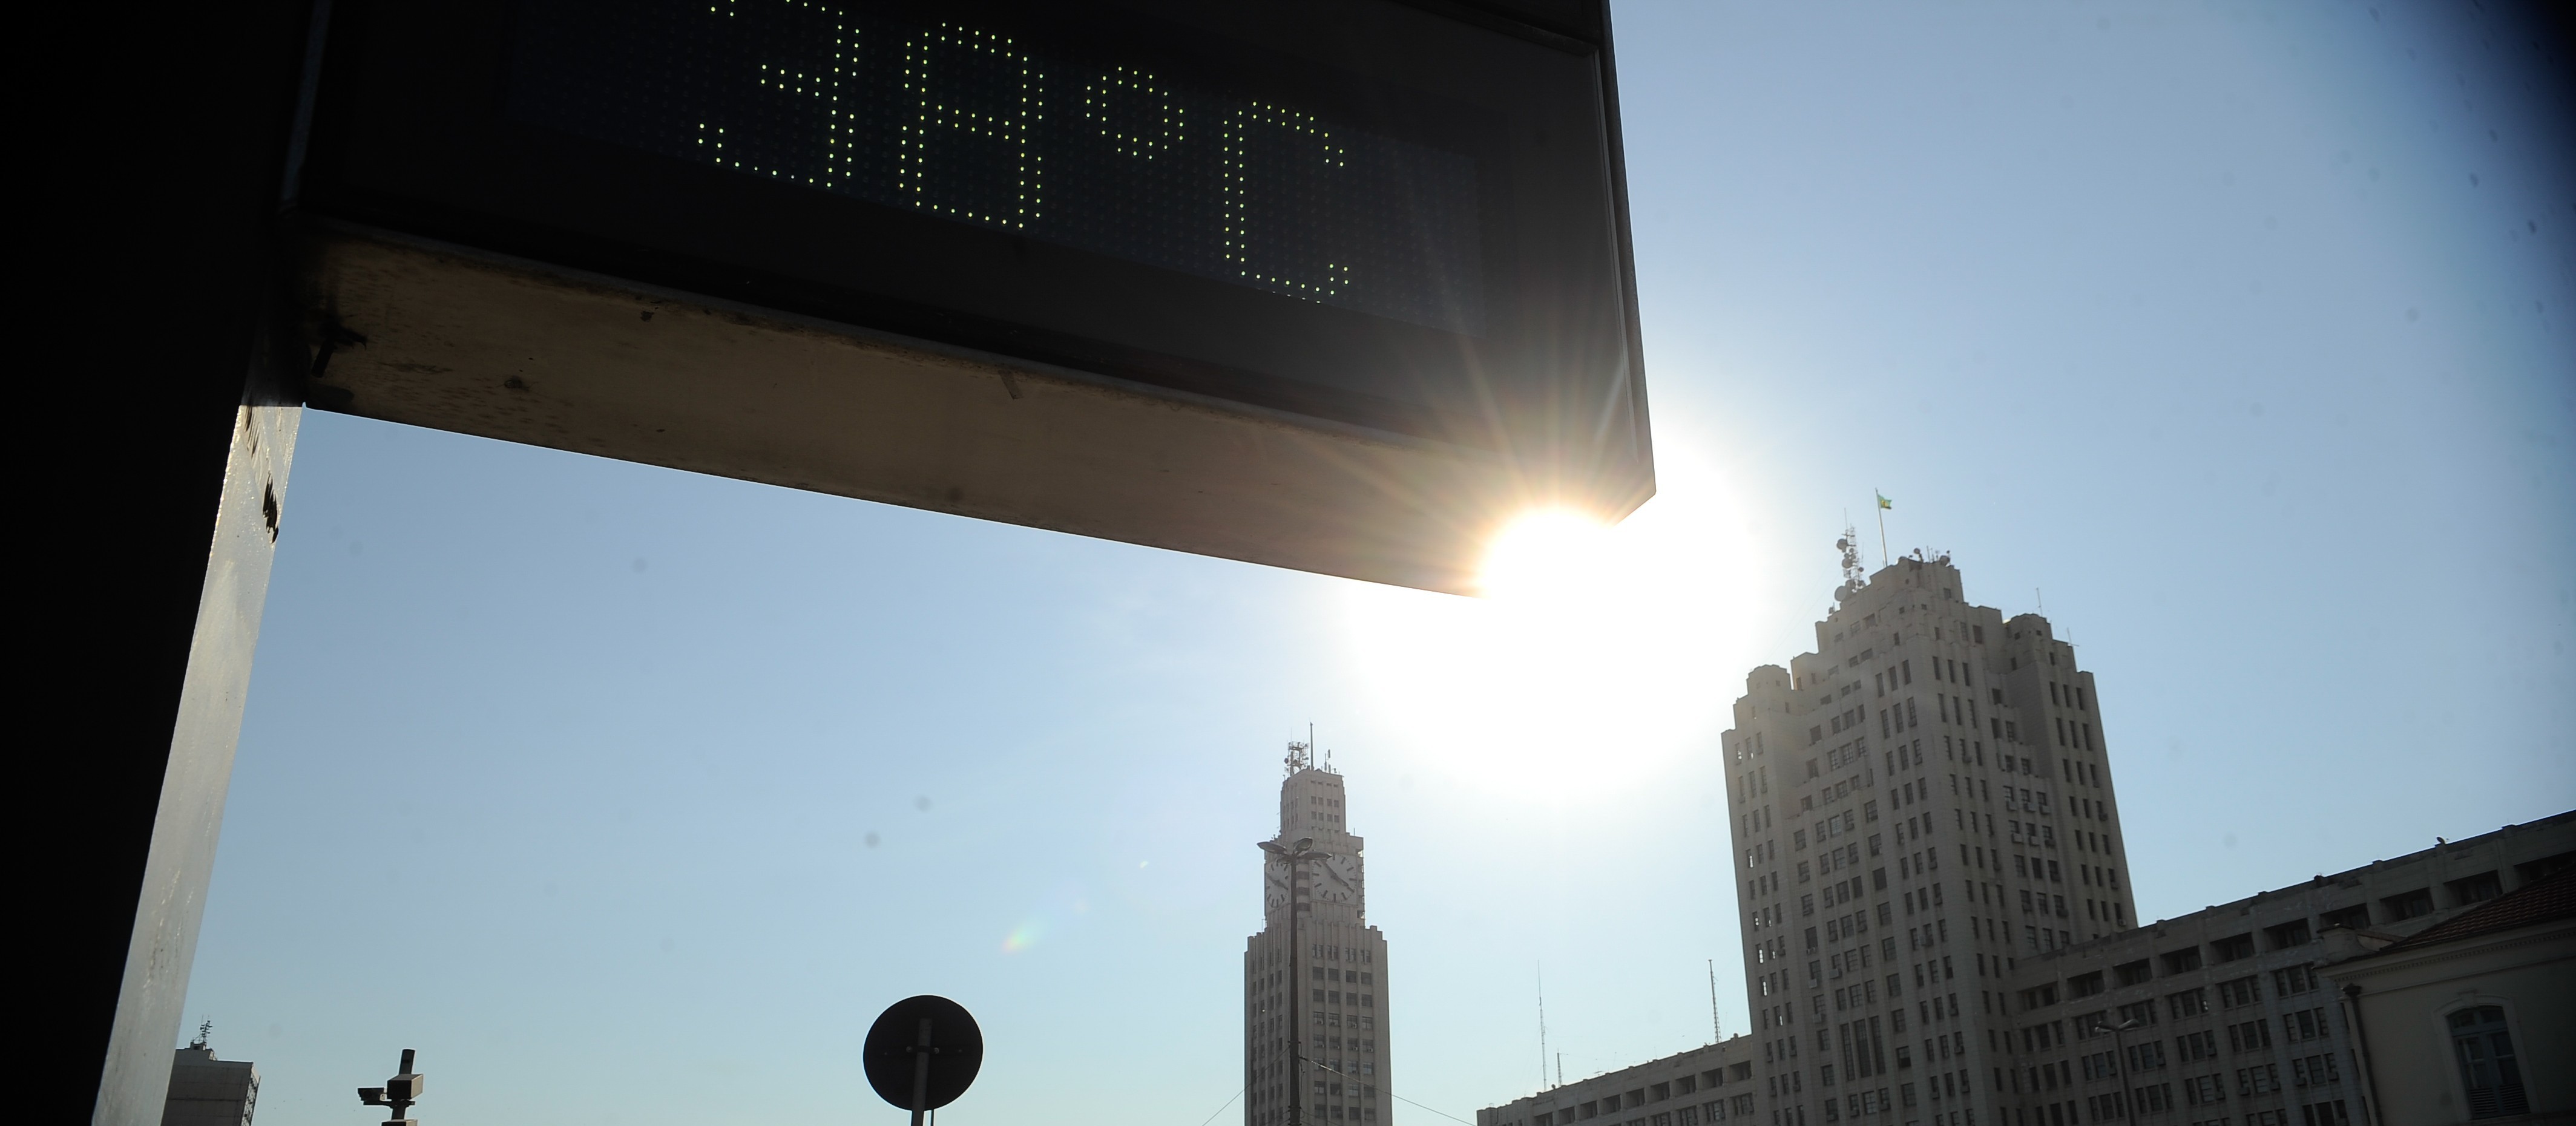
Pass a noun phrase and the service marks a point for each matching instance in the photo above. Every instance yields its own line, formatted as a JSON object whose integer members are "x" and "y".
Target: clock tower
{"x": 1315, "y": 997}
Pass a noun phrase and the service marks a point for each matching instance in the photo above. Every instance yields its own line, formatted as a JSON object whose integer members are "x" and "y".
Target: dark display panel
{"x": 1062, "y": 137}
{"x": 1355, "y": 210}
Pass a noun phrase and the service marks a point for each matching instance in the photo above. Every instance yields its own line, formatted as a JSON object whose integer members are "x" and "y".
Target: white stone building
{"x": 1315, "y": 1041}
{"x": 1934, "y": 900}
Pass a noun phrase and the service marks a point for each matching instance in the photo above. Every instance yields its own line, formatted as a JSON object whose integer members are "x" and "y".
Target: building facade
{"x": 1705, "y": 1086}
{"x": 2447, "y": 1020}
{"x": 205, "y": 1091}
{"x": 2235, "y": 1015}
{"x": 1315, "y": 1041}
{"x": 1936, "y": 915}
{"x": 1918, "y": 806}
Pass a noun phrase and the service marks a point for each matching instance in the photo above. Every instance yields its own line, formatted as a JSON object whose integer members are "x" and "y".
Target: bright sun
{"x": 1597, "y": 652}
{"x": 1548, "y": 555}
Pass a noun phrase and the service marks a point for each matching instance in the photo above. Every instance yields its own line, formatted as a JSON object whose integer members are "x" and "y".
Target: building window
{"x": 2239, "y": 991}
{"x": 2324, "y": 1114}
{"x": 2147, "y": 1057}
{"x": 2287, "y": 935}
{"x": 2409, "y": 904}
{"x": 2189, "y": 1002}
{"x": 2356, "y": 917}
{"x": 2307, "y": 1024}
{"x": 2475, "y": 889}
{"x": 2487, "y": 1065}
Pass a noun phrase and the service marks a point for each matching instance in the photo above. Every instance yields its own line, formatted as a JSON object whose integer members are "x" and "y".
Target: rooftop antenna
{"x": 1542, "y": 1025}
{"x": 1715, "y": 1028}
{"x": 1853, "y": 577}
{"x": 205, "y": 1033}
{"x": 1560, "y": 1069}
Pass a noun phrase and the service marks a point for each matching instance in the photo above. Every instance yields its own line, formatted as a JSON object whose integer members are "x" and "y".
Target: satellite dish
{"x": 922, "y": 1053}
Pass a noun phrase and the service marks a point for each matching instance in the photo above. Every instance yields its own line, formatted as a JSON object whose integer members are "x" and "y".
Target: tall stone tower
{"x": 1315, "y": 996}
{"x": 1917, "y": 805}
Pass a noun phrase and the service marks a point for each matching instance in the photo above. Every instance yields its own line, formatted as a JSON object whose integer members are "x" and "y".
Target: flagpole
{"x": 1882, "y": 525}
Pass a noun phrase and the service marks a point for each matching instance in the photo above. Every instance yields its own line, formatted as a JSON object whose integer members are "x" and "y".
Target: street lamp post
{"x": 1294, "y": 854}
{"x": 2120, "y": 1060}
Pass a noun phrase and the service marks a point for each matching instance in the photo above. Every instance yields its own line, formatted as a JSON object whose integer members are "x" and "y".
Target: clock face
{"x": 1343, "y": 879}
{"x": 1274, "y": 887}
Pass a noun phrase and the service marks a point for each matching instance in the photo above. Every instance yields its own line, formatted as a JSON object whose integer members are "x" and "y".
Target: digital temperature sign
{"x": 1039, "y": 131}
{"x": 1400, "y": 224}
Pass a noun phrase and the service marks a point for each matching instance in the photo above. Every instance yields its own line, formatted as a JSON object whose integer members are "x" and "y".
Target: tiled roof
{"x": 2537, "y": 902}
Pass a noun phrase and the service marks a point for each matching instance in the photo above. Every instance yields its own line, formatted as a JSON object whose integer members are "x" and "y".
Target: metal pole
{"x": 1716, "y": 1028}
{"x": 2120, "y": 1062}
{"x": 1296, "y": 1053}
{"x": 921, "y": 1073}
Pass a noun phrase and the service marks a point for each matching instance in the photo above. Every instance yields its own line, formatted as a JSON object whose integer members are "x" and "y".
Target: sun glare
{"x": 1598, "y": 653}
{"x": 1548, "y": 554}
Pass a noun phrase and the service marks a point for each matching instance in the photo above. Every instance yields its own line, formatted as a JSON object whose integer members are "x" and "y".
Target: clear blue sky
{"x": 2238, "y": 333}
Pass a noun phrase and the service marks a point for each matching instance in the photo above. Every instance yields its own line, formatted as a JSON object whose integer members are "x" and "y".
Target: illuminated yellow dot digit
{"x": 953, "y": 121}
{"x": 1254, "y": 203}
{"x": 798, "y": 79}
{"x": 1115, "y": 104}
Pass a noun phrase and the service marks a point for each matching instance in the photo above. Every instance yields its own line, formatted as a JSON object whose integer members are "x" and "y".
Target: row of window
{"x": 1337, "y": 1111}
{"x": 2153, "y": 1098}
{"x": 1320, "y": 973}
{"x": 1659, "y": 1092}
{"x": 2078, "y": 736}
{"x": 2298, "y": 932}
{"x": 2068, "y": 696}
{"x": 2297, "y": 1027}
{"x": 2232, "y": 993}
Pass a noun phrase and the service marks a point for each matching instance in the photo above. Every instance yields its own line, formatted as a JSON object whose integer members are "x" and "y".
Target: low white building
{"x": 2472, "y": 1020}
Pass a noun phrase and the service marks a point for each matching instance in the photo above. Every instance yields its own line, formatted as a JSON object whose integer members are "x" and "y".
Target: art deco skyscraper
{"x": 1916, "y": 805}
{"x": 1937, "y": 921}
{"x": 1315, "y": 997}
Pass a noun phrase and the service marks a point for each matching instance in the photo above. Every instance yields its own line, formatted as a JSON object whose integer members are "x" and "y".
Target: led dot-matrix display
{"x": 1144, "y": 159}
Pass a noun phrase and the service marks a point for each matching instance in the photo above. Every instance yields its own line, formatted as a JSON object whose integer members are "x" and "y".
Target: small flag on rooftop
{"x": 1884, "y": 505}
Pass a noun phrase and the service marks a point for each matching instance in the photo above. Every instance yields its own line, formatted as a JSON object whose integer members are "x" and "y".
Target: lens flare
{"x": 1545, "y": 555}
{"x": 1063, "y": 904}
{"x": 1598, "y": 655}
